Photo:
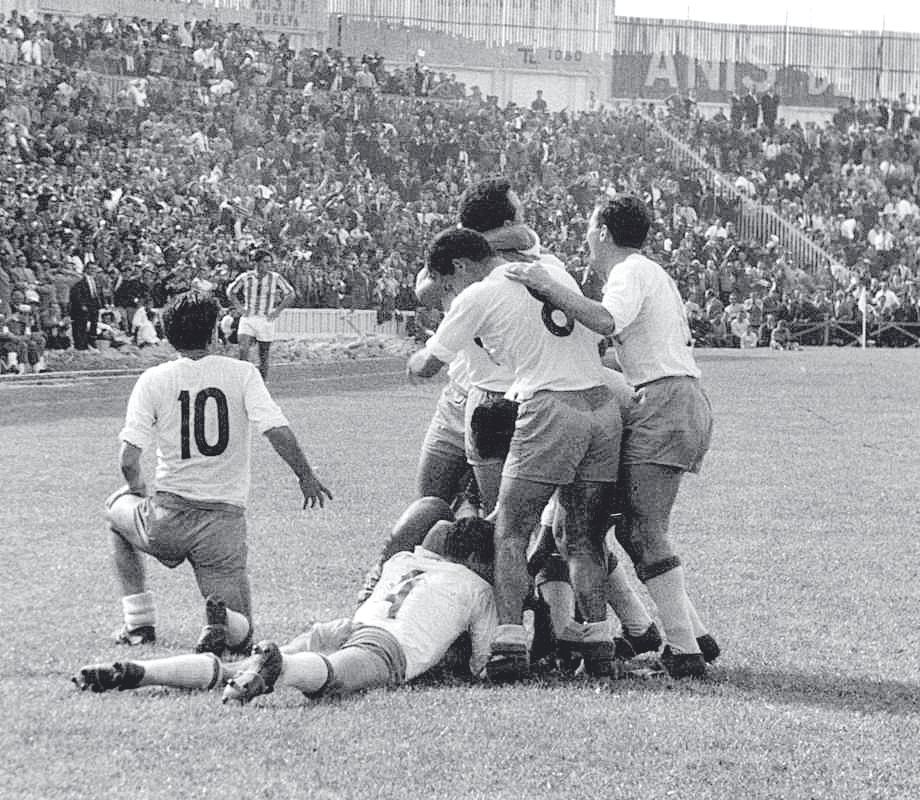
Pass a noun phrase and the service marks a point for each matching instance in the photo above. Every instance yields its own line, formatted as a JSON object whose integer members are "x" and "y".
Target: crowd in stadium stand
{"x": 346, "y": 168}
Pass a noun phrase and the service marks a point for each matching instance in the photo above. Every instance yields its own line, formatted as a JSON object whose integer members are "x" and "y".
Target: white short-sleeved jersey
{"x": 459, "y": 373}
{"x": 652, "y": 336}
{"x": 198, "y": 414}
{"x": 426, "y": 602}
{"x": 484, "y": 371}
{"x": 546, "y": 351}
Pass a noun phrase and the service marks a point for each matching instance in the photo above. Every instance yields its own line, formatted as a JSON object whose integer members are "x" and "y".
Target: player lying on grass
{"x": 553, "y": 601}
{"x": 425, "y": 600}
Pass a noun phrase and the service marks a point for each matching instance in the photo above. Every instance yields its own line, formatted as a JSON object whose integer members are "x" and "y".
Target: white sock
{"x": 561, "y": 601}
{"x": 626, "y": 603}
{"x": 699, "y": 629}
{"x": 598, "y": 631}
{"x": 307, "y": 672}
{"x": 511, "y": 634}
{"x": 237, "y": 628}
{"x": 670, "y": 595}
{"x": 138, "y": 610}
{"x": 192, "y": 671}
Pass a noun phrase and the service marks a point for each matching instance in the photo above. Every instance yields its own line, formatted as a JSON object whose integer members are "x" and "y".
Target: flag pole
{"x": 864, "y": 306}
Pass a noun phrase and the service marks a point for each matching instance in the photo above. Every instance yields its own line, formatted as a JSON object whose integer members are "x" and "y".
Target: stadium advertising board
{"x": 293, "y": 17}
{"x": 662, "y": 75}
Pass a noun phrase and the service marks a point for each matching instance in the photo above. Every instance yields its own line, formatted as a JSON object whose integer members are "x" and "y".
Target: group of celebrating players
{"x": 535, "y": 448}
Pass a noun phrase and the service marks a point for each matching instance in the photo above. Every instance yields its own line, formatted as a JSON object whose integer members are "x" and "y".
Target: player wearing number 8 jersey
{"x": 567, "y": 433}
{"x": 197, "y": 410}
{"x": 668, "y": 432}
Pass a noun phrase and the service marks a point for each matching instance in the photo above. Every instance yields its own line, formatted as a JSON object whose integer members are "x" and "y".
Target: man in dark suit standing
{"x": 751, "y": 109}
{"x": 769, "y": 105}
{"x": 84, "y": 309}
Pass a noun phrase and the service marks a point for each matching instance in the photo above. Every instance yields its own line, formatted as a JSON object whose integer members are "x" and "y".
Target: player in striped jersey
{"x": 260, "y": 295}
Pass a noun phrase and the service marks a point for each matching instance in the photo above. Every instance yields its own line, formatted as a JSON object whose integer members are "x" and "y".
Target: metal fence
{"x": 569, "y": 25}
{"x": 303, "y": 323}
{"x": 755, "y": 221}
{"x": 861, "y": 64}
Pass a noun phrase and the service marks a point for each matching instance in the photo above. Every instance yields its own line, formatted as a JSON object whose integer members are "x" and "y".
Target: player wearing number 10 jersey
{"x": 424, "y": 601}
{"x": 197, "y": 410}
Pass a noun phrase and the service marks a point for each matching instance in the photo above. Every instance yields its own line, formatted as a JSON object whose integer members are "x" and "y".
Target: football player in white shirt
{"x": 567, "y": 434}
{"x": 668, "y": 433}
{"x": 442, "y": 468}
{"x": 493, "y": 208}
{"x": 197, "y": 410}
{"x": 425, "y": 600}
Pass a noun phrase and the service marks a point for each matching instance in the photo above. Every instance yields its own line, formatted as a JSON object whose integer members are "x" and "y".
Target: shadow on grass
{"x": 831, "y": 691}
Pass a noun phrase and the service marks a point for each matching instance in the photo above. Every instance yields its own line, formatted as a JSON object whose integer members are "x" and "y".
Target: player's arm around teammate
{"x": 666, "y": 434}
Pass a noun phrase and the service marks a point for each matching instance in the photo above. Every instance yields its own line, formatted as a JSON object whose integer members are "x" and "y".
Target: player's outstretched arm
{"x": 286, "y": 445}
{"x": 588, "y": 312}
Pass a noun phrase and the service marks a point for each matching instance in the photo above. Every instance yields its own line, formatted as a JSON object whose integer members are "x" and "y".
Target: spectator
{"x": 84, "y": 310}
{"x": 538, "y": 104}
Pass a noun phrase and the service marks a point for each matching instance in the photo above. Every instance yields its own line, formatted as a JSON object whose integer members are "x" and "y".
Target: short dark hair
{"x": 470, "y": 536}
{"x": 628, "y": 220}
{"x": 189, "y": 321}
{"x": 456, "y": 243}
{"x": 492, "y": 427}
{"x": 486, "y": 205}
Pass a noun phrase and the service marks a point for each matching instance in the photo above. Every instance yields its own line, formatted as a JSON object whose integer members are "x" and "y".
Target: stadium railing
{"x": 756, "y": 220}
{"x": 831, "y": 331}
{"x": 303, "y": 323}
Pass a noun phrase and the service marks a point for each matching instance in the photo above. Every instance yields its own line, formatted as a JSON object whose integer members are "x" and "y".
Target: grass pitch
{"x": 800, "y": 540}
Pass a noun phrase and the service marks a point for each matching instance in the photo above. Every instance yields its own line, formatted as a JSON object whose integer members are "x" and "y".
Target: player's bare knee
{"x": 121, "y": 513}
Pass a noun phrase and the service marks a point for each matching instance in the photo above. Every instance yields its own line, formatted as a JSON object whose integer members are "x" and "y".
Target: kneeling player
{"x": 197, "y": 412}
{"x": 424, "y": 601}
